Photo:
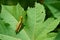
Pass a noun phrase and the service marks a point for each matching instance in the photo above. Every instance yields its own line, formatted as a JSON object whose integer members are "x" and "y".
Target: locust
{"x": 19, "y": 25}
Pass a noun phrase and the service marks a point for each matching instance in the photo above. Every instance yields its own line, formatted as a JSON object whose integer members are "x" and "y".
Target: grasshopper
{"x": 20, "y": 24}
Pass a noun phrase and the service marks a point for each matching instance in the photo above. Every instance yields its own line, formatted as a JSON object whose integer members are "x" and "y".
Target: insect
{"x": 19, "y": 26}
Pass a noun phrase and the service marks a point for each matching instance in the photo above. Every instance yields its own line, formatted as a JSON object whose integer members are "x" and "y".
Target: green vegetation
{"x": 41, "y": 19}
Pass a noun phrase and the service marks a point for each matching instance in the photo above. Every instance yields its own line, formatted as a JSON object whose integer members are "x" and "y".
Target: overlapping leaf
{"x": 35, "y": 29}
{"x": 54, "y": 11}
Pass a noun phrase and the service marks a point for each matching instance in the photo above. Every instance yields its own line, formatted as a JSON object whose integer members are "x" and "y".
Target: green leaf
{"x": 10, "y": 18}
{"x": 6, "y": 37}
{"x": 54, "y": 11}
{"x": 49, "y": 25}
{"x": 35, "y": 16}
{"x": 36, "y": 28}
{"x": 54, "y": 3}
{"x": 16, "y": 11}
{"x": 58, "y": 36}
{"x": 50, "y": 36}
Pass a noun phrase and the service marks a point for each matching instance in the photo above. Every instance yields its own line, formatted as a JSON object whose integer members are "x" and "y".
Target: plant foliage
{"x": 35, "y": 25}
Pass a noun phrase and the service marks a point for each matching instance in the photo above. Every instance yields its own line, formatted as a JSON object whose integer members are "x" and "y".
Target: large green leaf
{"x": 35, "y": 16}
{"x": 10, "y": 18}
{"x": 35, "y": 27}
